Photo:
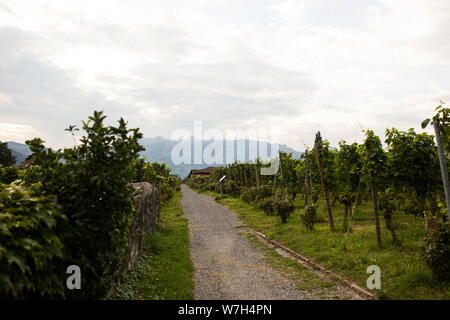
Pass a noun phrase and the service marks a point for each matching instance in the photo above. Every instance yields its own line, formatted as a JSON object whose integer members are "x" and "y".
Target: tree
{"x": 91, "y": 185}
{"x": 306, "y": 174}
{"x": 283, "y": 192}
{"x": 290, "y": 179}
{"x": 321, "y": 148}
{"x": 376, "y": 164}
{"x": 6, "y": 157}
{"x": 387, "y": 203}
{"x": 313, "y": 176}
{"x": 413, "y": 164}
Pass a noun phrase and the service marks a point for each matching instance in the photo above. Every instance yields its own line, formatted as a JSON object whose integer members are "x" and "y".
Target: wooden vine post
{"x": 373, "y": 183}
{"x": 275, "y": 182}
{"x": 306, "y": 177}
{"x": 440, "y": 123}
{"x": 257, "y": 174}
{"x": 281, "y": 176}
{"x": 443, "y": 164}
{"x": 159, "y": 173}
{"x": 153, "y": 214}
{"x": 240, "y": 174}
{"x": 373, "y": 187}
{"x": 322, "y": 179}
{"x": 311, "y": 188}
{"x": 140, "y": 170}
{"x": 159, "y": 201}
{"x": 233, "y": 173}
{"x": 245, "y": 177}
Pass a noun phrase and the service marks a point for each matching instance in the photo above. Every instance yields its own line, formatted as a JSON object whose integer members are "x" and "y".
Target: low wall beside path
{"x": 147, "y": 206}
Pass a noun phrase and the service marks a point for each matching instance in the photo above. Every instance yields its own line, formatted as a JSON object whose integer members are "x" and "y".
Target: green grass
{"x": 301, "y": 276}
{"x": 404, "y": 275}
{"x": 164, "y": 269}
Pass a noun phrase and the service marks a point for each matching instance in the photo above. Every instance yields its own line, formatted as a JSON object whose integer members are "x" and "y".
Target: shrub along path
{"x": 230, "y": 265}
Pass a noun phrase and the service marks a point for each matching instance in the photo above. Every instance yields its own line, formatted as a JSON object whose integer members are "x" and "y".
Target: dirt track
{"x": 226, "y": 265}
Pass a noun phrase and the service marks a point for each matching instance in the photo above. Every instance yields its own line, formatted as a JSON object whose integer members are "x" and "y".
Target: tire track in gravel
{"x": 226, "y": 265}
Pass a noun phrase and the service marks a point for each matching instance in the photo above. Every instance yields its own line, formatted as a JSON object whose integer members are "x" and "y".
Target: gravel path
{"x": 226, "y": 265}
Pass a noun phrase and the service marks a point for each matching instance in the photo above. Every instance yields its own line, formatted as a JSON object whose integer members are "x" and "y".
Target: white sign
{"x": 222, "y": 178}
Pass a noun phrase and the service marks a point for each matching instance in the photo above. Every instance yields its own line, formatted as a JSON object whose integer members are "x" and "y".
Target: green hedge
{"x": 90, "y": 182}
{"x": 30, "y": 250}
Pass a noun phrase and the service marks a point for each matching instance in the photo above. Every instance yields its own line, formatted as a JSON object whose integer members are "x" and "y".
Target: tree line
{"x": 404, "y": 177}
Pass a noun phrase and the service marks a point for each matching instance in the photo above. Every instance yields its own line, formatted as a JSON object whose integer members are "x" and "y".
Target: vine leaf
{"x": 425, "y": 123}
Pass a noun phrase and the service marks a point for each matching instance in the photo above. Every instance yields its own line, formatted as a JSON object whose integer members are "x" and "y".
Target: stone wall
{"x": 146, "y": 204}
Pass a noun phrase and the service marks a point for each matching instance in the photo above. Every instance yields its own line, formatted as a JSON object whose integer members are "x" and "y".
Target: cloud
{"x": 15, "y": 132}
{"x": 300, "y": 66}
{"x": 38, "y": 97}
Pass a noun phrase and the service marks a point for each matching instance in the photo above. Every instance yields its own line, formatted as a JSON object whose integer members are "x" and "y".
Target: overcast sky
{"x": 294, "y": 65}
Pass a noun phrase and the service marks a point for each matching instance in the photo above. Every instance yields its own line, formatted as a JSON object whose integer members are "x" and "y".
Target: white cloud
{"x": 16, "y": 132}
{"x": 300, "y": 66}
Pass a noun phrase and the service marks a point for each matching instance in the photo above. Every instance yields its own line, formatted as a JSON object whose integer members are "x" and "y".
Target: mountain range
{"x": 159, "y": 149}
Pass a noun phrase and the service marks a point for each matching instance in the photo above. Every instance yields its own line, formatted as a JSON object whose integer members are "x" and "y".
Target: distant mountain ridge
{"x": 19, "y": 150}
{"x": 159, "y": 149}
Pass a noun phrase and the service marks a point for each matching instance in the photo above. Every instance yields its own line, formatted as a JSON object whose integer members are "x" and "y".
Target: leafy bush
{"x": 216, "y": 187}
{"x": 207, "y": 187}
{"x": 267, "y": 206}
{"x": 156, "y": 173}
{"x": 91, "y": 186}
{"x": 200, "y": 183}
{"x": 255, "y": 194}
{"x": 30, "y": 251}
{"x": 231, "y": 188}
{"x": 263, "y": 192}
{"x": 8, "y": 174}
{"x": 247, "y": 195}
{"x": 308, "y": 216}
{"x": 283, "y": 209}
{"x": 409, "y": 204}
{"x": 167, "y": 192}
{"x": 436, "y": 249}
